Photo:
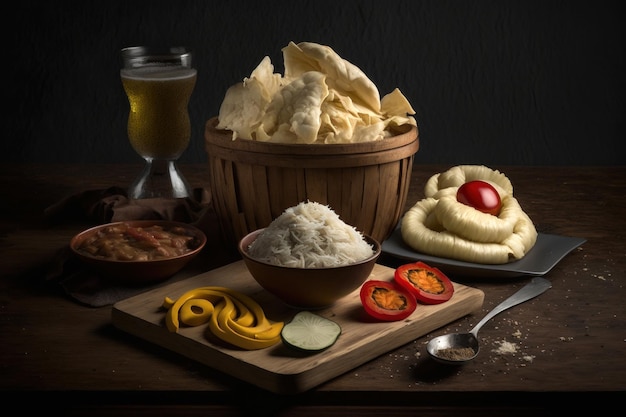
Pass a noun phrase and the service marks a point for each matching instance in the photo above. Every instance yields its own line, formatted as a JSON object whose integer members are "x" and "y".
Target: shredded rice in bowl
{"x": 310, "y": 235}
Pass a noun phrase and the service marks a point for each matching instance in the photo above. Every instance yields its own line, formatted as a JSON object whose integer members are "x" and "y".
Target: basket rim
{"x": 407, "y": 137}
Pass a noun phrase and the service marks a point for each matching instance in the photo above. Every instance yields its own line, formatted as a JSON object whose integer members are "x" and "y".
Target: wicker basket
{"x": 253, "y": 182}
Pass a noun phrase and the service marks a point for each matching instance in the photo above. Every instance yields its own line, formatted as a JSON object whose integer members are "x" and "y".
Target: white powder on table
{"x": 506, "y": 348}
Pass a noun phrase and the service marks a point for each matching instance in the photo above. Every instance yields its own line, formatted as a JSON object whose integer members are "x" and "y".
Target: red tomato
{"x": 428, "y": 284}
{"x": 481, "y": 195}
{"x": 384, "y": 300}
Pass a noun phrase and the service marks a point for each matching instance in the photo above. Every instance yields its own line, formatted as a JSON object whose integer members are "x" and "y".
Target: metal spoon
{"x": 458, "y": 348}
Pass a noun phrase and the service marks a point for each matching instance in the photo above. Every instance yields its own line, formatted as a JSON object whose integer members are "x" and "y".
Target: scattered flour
{"x": 505, "y": 348}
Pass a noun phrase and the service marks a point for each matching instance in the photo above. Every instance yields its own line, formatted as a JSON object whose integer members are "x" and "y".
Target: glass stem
{"x": 160, "y": 178}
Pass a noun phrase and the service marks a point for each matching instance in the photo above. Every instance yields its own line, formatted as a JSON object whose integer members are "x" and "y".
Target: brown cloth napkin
{"x": 111, "y": 205}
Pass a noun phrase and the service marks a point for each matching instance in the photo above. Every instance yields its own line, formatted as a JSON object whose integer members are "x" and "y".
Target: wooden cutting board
{"x": 278, "y": 368}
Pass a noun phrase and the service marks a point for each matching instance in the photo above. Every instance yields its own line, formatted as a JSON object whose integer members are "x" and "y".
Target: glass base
{"x": 159, "y": 179}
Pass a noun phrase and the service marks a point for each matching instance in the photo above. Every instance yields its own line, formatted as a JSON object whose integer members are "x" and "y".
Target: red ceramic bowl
{"x": 308, "y": 288}
{"x": 135, "y": 272}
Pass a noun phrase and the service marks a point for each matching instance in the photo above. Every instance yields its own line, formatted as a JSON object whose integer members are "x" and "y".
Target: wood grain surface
{"x": 570, "y": 340}
{"x": 278, "y": 368}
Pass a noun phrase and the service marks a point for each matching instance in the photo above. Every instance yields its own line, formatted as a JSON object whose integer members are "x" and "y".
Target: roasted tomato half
{"x": 427, "y": 284}
{"x": 385, "y": 300}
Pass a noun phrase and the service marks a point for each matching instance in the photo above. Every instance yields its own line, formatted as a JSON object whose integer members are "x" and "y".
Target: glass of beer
{"x": 159, "y": 83}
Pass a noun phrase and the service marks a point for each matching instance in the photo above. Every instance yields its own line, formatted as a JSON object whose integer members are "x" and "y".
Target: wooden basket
{"x": 253, "y": 182}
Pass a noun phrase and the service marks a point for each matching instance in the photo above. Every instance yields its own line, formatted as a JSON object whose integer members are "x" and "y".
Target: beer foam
{"x": 161, "y": 73}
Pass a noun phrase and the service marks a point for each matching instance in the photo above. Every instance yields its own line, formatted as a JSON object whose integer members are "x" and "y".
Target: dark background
{"x": 493, "y": 82}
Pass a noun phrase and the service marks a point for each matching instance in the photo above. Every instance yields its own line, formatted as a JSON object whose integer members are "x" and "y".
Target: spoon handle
{"x": 535, "y": 287}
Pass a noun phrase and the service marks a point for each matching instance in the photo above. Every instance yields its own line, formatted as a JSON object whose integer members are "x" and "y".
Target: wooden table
{"x": 68, "y": 357}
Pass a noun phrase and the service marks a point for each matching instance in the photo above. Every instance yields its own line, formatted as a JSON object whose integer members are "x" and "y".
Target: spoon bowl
{"x": 459, "y": 348}
{"x": 453, "y": 348}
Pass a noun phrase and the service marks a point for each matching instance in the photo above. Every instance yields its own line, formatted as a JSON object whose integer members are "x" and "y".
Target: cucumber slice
{"x": 310, "y": 332}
